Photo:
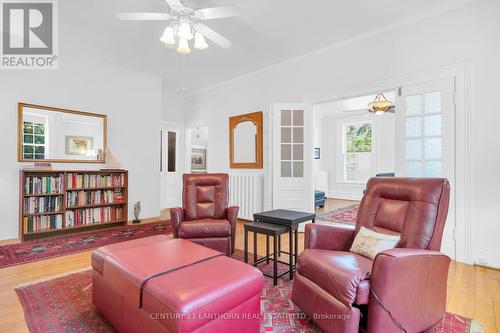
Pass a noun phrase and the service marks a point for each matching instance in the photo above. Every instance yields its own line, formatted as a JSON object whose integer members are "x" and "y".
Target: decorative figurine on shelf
{"x": 100, "y": 155}
{"x": 111, "y": 161}
{"x": 137, "y": 212}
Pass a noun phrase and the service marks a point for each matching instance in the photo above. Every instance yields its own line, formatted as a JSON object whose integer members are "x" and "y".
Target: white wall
{"x": 131, "y": 100}
{"x": 172, "y": 104}
{"x": 470, "y": 33}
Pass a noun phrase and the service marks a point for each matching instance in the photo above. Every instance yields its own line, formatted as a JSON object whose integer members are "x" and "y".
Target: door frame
{"x": 463, "y": 232}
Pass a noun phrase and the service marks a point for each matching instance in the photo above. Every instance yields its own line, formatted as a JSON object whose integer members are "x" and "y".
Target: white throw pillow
{"x": 368, "y": 242}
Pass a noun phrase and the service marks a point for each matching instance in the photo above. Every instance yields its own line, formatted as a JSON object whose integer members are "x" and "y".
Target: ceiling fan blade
{"x": 144, "y": 16}
{"x": 217, "y": 12}
{"x": 212, "y": 35}
{"x": 174, "y": 3}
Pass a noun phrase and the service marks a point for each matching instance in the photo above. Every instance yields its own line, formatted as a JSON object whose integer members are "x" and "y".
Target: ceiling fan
{"x": 185, "y": 24}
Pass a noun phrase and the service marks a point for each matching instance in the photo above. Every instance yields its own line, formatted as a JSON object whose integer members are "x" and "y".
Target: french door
{"x": 425, "y": 139}
{"x": 292, "y": 157}
{"x": 171, "y": 166}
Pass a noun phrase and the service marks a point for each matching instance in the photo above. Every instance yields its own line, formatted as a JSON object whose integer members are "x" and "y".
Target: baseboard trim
{"x": 344, "y": 195}
{"x": 486, "y": 257}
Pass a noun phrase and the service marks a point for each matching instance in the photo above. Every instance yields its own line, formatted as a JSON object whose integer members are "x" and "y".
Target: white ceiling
{"x": 266, "y": 33}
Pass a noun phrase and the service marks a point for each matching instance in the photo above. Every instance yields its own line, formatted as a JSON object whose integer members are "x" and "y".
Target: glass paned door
{"x": 292, "y": 143}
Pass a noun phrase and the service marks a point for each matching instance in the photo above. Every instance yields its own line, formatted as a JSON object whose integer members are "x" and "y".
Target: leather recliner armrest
{"x": 232, "y": 216}
{"x": 411, "y": 284}
{"x": 176, "y": 216}
{"x": 325, "y": 237}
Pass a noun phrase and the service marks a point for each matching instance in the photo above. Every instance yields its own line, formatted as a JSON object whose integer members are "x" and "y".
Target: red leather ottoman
{"x": 201, "y": 290}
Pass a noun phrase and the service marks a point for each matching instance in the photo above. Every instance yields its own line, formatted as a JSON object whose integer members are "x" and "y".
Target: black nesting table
{"x": 280, "y": 217}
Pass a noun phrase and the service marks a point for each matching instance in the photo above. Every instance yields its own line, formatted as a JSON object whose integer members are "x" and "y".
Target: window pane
{"x": 298, "y": 135}
{"x": 298, "y": 152}
{"x": 28, "y": 156}
{"x": 286, "y": 169}
{"x": 171, "y": 152}
{"x": 433, "y": 125}
{"x": 433, "y": 102}
{"x": 433, "y": 148}
{"x": 286, "y": 135}
{"x": 298, "y": 169}
{"x": 39, "y": 129}
{"x": 286, "y": 118}
{"x": 358, "y": 138}
{"x": 39, "y": 139}
{"x": 414, "y": 169}
{"x": 28, "y": 149}
{"x": 27, "y": 127}
{"x": 28, "y": 138}
{"x": 298, "y": 118}
{"x": 39, "y": 149}
{"x": 39, "y": 156}
{"x": 414, "y": 127}
{"x": 286, "y": 152}
{"x": 414, "y": 104}
{"x": 413, "y": 149}
{"x": 350, "y": 167}
{"x": 432, "y": 169}
{"x": 358, "y": 167}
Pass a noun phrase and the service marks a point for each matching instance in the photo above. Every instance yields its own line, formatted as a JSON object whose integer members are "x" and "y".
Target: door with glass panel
{"x": 425, "y": 139}
{"x": 171, "y": 166}
{"x": 292, "y": 157}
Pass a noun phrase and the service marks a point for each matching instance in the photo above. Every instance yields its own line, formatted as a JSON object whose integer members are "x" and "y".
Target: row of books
{"x": 43, "y": 222}
{"x": 76, "y": 181}
{"x": 100, "y": 197}
{"x": 44, "y": 185}
{"x": 93, "y": 215}
{"x": 50, "y": 204}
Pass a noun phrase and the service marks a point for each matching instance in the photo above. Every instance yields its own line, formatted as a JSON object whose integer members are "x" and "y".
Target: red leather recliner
{"x": 332, "y": 285}
{"x": 206, "y": 218}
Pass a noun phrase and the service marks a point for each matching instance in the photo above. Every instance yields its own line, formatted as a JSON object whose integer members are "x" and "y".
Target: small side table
{"x": 270, "y": 230}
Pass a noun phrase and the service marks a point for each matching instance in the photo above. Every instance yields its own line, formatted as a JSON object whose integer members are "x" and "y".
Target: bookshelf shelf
{"x": 63, "y": 187}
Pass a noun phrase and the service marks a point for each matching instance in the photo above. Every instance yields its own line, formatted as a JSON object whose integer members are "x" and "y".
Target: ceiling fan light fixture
{"x": 380, "y": 104}
{"x": 184, "y": 31}
{"x": 168, "y": 36}
{"x": 183, "y": 46}
{"x": 199, "y": 41}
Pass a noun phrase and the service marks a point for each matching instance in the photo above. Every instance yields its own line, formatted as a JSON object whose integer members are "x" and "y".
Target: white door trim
{"x": 461, "y": 73}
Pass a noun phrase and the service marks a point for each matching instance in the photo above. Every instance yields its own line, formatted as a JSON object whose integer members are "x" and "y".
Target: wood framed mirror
{"x": 245, "y": 141}
{"x": 49, "y": 134}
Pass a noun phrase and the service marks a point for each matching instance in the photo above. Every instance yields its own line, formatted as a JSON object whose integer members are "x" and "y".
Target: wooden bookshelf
{"x": 99, "y": 199}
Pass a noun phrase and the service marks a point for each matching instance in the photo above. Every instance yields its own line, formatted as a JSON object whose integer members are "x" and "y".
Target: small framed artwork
{"x": 198, "y": 159}
{"x": 317, "y": 153}
{"x": 79, "y": 145}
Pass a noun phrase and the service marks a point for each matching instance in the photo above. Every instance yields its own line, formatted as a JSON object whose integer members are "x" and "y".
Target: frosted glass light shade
{"x": 168, "y": 36}
{"x": 185, "y": 32}
{"x": 183, "y": 46}
{"x": 199, "y": 41}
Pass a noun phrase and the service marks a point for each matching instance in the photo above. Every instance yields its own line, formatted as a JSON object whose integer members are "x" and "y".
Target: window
{"x": 358, "y": 149}
{"x": 34, "y": 145}
{"x": 292, "y": 143}
{"x": 423, "y": 135}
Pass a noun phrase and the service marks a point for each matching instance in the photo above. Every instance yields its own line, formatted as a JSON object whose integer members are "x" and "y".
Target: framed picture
{"x": 198, "y": 159}
{"x": 317, "y": 153}
{"x": 79, "y": 145}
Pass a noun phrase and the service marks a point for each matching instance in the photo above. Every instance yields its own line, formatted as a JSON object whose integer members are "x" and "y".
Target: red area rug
{"x": 345, "y": 215}
{"x": 64, "y": 304}
{"x": 41, "y": 249}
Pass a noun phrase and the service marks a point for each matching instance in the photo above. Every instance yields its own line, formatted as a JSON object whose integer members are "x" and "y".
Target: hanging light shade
{"x": 380, "y": 105}
{"x": 199, "y": 41}
{"x": 185, "y": 31}
{"x": 183, "y": 46}
{"x": 168, "y": 36}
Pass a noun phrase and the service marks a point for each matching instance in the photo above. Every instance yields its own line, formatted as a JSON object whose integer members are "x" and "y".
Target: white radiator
{"x": 245, "y": 191}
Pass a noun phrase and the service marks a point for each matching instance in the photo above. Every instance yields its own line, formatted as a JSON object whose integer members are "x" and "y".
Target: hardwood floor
{"x": 473, "y": 291}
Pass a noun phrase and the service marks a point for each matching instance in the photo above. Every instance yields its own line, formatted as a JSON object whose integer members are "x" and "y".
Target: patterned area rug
{"x": 344, "y": 215}
{"x": 41, "y": 249}
{"x": 64, "y": 304}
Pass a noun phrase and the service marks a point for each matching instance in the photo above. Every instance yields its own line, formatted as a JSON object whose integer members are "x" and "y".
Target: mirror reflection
{"x": 245, "y": 134}
{"x": 50, "y": 134}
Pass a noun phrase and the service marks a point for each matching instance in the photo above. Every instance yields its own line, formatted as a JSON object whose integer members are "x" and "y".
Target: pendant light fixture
{"x": 168, "y": 36}
{"x": 199, "y": 41}
{"x": 380, "y": 105}
{"x": 183, "y": 46}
